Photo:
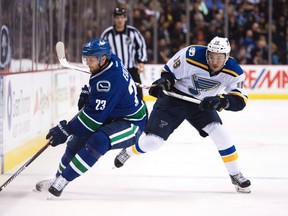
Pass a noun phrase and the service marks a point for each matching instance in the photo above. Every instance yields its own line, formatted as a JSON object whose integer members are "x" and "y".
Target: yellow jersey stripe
{"x": 197, "y": 63}
{"x": 240, "y": 95}
{"x": 233, "y": 73}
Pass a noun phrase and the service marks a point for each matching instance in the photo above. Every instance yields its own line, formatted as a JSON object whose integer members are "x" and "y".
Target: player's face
{"x": 92, "y": 62}
{"x": 216, "y": 60}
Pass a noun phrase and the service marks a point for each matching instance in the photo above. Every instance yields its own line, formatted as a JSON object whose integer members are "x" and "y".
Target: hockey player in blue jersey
{"x": 210, "y": 75}
{"x": 113, "y": 117}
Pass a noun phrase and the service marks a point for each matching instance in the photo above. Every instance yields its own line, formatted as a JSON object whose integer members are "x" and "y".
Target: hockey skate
{"x": 241, "y": 183}
{"x": 121, "y": 158}
{"x": 44, "y": 185}
{"x": 58, "y": 186}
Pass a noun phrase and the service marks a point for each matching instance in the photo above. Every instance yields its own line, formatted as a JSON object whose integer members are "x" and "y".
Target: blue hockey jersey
{"x": 112, "y": 96}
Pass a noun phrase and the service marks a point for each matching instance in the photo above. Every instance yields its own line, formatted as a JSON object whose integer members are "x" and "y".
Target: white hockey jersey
{"x": 190, "y": 69}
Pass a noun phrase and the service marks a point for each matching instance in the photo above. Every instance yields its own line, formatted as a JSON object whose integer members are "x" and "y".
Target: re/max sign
{"x": 266, "y": 78}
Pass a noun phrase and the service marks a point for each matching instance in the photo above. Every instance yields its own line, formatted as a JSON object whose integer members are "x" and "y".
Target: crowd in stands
{"x": 248, "y": 29}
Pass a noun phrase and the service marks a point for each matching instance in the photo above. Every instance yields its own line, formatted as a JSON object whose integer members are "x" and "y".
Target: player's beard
{"x": 94, "y": 70}
{"x": 97, "y": 69}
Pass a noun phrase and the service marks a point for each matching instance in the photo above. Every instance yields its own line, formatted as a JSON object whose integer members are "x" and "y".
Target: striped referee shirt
{"x": 129, "y": 45}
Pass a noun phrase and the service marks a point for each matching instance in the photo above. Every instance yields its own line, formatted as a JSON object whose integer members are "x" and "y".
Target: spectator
{"x": 249, "y": 44}
{"x": 260, "y": 53}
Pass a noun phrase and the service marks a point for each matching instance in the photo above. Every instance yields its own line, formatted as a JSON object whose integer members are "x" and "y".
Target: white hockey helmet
{"x": 219, "y": 45}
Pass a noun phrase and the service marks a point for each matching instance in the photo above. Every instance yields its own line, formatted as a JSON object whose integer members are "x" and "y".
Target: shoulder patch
{"x": 191, "y": 51}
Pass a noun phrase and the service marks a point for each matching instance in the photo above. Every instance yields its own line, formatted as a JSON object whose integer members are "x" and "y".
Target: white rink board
{"x": 33, "y": 102}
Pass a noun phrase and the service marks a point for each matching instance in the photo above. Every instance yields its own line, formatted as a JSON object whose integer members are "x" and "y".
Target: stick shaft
{"x": 172, "y": 94}
{"x": 23, "y": 167}
{"x": 182, "y": 97}
{"x": 27, "y": 163}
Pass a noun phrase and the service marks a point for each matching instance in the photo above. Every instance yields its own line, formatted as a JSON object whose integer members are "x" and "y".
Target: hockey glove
{"x": 218, "y": 103}
{"x": 159, "y": 85}
{"x": 83, "y": 98}
{"x": 59, "y": 133}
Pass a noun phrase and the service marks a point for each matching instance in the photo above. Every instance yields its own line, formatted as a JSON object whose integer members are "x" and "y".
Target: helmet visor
{"x": 89, "y": 60}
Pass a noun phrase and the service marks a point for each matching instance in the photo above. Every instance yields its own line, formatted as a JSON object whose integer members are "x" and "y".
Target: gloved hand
{"x": 159, "y": 85}
{"x": 83, "y": 98}
{"x": 218, "y": 102}
{"x": 59, "y": 133}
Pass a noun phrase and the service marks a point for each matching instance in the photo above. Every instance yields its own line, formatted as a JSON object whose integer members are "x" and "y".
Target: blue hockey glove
{"x": 83, "y": 98}
{"x": 59, "y": 133}
{"x": 218, "y": 103}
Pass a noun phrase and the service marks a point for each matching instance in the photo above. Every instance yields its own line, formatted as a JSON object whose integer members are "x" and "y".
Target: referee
{"x": 128, "y": 44}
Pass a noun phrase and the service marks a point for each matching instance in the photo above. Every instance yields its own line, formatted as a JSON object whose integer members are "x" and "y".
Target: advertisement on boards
{"x": 262, "y": 81}
{"x": 27, "y": 98}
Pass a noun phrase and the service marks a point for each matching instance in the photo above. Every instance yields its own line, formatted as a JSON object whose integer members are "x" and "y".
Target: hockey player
{"x": 113, "y": 117}
{"x": 205, "y": 73}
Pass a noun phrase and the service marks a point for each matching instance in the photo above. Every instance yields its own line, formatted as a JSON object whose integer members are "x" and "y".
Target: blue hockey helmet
{"x": 97, "y": 47}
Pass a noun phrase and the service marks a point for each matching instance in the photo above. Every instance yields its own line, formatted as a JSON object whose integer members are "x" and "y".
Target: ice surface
{"x": 185, "y": 177}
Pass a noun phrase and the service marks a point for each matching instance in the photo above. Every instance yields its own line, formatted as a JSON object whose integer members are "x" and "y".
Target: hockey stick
{"x": 24, "y": 166}
{"x": 172, "y": 94}
{"x": 60, "y": 50}
{"x": 182, "y": 97}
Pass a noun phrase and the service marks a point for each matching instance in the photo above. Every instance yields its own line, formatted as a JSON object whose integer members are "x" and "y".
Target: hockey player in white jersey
{"x": 210, "y": 75}
{"x": 113, "y": 117}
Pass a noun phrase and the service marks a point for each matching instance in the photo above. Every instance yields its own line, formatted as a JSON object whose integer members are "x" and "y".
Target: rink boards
{"x": 33, "y": 102}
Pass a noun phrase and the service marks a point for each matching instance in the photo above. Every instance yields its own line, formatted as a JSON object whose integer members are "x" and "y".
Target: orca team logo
{"x": 103, "y": 86}
{"x": 5, "y": 48}
{"x": 101, "y": 42}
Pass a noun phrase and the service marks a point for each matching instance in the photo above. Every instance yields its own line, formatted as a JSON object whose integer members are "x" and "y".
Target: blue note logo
{"x": 163, "y": 123}
{"x": 201, "y": 84}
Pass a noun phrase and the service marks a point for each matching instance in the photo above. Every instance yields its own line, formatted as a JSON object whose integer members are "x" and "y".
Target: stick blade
{"x": 60, "y": 50}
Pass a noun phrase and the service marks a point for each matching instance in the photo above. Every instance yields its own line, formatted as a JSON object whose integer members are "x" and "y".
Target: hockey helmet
{"x": 97, "y": 47}
{"x": 119, "y": 11}
{"x": 219, "y": 45}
